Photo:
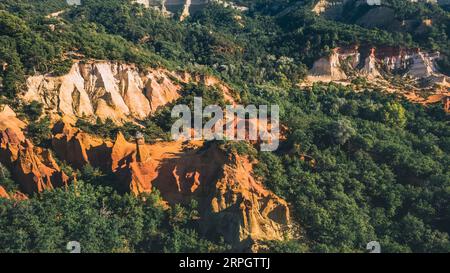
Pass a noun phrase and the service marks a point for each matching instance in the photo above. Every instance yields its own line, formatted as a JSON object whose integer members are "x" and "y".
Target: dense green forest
{"x": 380, "y": 172}
{"x": 251, "y": 49}
{"x": 101, "y": 220}
{"x": 378, "y": 168}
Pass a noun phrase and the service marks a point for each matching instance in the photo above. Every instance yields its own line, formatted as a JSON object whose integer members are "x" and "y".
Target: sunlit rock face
{"x": 233, "y": 203}
{"x": 371, "y": 62}
{"x": 184, "y": 8}
{"x": 33, "y": 168}
{"x": 327, "y": 69}
{"x": 422, "y": 82}
{"x": 110, "y": 90}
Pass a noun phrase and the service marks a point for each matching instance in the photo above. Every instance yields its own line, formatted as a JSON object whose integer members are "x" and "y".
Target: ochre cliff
{"x": 33, "y": 168}
{"x": 3, "y": 193}
{"x": 9, "y": 120}
{"x": 17, "y": 196}
{"x": 232, "y": 203}
{"x": 78, "y": 148}
{"x": 327, "y": 69}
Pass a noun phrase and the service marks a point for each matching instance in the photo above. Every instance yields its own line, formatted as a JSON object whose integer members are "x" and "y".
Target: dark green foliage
{"x": 355, "y": 167}
{"x": 40, "y": 132}
{"x": 101, "y": 220}
{"x": 371, "y": 180}
{"x": 33, "y": 110}
{"x": 286, "y": 247}
{"x": 109, "y": 130}
{"x": 5, "y": 180}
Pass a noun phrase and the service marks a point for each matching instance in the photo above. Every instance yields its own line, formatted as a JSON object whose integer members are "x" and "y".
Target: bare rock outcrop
{"x": 422, "y": 65}
{"x": 375, "y": 62}
{"x": 17, "y": 196}
{"x": 184, "y": 8}
{"x": 232, "y": 202}
{"x": 370, "y": 68}
{"x": 106, "y": 90}
{"x": 33, "y": 168}
{"x": 78, "y": 148}
{"x": 327, "y": 69}
{"x": 3, "y": 193}
{"x": 420, "y": 80}
{"x": 9, "y": 120}
{"x": 103, "y": 90}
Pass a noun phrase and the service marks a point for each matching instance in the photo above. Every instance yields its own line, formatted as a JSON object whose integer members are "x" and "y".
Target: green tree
{"x": 393, "y": 114}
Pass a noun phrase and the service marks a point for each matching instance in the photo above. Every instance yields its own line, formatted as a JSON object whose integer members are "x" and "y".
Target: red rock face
{"x": 78, "y": 148}
{"x": 33, "y": 168}
{"x": 222, "y": 184}
{"x": 18, "y": 196}
{"x": 3, "y": 193}
{"x": 9, "y": 120}
{"x": 232, "y": 202}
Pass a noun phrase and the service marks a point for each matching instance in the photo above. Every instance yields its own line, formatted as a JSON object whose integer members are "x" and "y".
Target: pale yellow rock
{"x": 102, "y": 89}
{"x": 73, "y": 98}
{"x": 34, "y": 86}
{"x": 370, "y": 70}
{"x": 421, "y": 66}
{"x": 106, "y": 82}
{"x": 9, "y": 120}
{"x": 132, "y": 87}
{"x": 327, "y": 69}
{"x": 160, "y": 90}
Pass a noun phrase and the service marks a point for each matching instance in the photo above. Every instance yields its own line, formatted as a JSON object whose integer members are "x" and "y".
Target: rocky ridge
{"x": 232, "y": 202}
{"x": 421, "y": 81}
{"x": 120, "y": 92}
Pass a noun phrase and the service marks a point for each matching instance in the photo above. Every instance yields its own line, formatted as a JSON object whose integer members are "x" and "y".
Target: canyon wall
{"x": 182, "y": 7}
{"x": 33, "y": 168}
{"x": 185, "y": 8}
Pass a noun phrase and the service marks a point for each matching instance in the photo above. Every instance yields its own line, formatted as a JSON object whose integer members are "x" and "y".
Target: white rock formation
{"x": 185, "y": 7}
{"x": 103, "y": 90}
{"x": 186, "y": 13}
{"x": 120, "y": 92}
{"x": 344, "y": 63}
{"x": 73, "y": 2}
{"x": 422, "y": 66}
{"x": 370, "y": 69}
{"x": 327, "y": 69}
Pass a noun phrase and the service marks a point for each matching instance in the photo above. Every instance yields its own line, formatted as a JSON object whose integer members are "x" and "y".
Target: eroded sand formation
{"x": 232, "y": 202}
{"x": 418, "y": 69}
{"x": 120, "y": 92}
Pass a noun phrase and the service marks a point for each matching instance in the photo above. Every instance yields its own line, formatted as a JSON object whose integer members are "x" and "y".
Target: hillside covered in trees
{"x": 355, "y": 163}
